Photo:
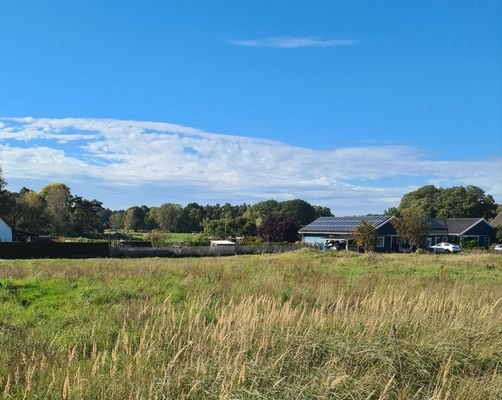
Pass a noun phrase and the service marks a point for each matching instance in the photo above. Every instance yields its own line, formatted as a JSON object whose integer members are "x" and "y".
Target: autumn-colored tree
{"x": 278, "y": 228}
{"x": 365, "y": 236}
{"x": 412, "y": 226}
{"x": 31, "y": 211}
{"x": 155, "y": 237}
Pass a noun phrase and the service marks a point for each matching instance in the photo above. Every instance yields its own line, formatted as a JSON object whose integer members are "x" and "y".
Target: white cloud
{"x": 190, "y": 164}
{"x": 289, "y": 42}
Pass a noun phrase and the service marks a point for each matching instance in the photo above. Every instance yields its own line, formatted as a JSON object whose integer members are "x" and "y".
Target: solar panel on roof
{"x": 342, "y": 224}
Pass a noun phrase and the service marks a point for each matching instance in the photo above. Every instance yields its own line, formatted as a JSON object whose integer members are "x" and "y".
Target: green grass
{"x": 168, "y": 238}
{"x": 306, "y": 325}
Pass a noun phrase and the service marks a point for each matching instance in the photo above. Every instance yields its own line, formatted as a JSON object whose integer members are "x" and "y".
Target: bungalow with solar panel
{"x": 338, "y": 232}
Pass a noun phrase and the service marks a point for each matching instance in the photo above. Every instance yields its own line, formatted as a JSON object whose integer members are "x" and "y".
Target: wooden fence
{"x": 199, "y": 251}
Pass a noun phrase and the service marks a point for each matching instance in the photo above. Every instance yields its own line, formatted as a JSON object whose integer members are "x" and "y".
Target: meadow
{"x": 301, "y": 325}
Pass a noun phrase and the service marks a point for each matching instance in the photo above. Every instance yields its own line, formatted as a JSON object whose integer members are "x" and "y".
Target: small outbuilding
{"x": 221, "y": 243}
{"x": 19, "y": 235}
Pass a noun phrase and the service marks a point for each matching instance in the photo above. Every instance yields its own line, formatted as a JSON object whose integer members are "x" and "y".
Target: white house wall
{"x": 313, "y": 240}
{"x": 5, "y": 232}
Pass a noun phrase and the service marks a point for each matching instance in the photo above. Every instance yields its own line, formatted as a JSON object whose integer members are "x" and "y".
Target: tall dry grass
{"x": 315, "y": 327}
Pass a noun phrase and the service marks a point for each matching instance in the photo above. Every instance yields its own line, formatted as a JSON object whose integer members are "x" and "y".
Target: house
{"x": 340, "y": 231}
{"x": 5, "y": 231}
{"x": 452, "y": 230}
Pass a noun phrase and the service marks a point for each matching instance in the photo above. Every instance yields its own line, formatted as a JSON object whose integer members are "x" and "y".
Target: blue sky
{"x": 347, "y": 104}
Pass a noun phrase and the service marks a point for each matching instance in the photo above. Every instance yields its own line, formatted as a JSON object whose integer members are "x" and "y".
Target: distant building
{"x": 5, "y": 231}
{"x": 220, "y": 243}
{"x": 452, "y": 230}
{"x": 339, "y": 231}
{"x": 18, "y": 235}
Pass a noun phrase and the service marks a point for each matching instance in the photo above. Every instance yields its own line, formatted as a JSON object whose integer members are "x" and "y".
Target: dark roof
{"x": 438, "y": 225}
{"x": 21, "y": 232}
{"x": 497, "y": 220}
{"x": 342, "y": 224}
{"x": 457, "y": 225}
{"x": 451, "y": 226}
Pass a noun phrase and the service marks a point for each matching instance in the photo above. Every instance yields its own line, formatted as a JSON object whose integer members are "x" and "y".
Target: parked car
{"x": 445, "y": 248}
{"x": 334, "y": 244}
{"x": 498, "y": 247}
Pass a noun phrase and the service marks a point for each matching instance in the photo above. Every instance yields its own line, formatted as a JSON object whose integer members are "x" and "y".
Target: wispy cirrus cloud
{"x": 152, "y": 162}
{"x": 292, "y": 42}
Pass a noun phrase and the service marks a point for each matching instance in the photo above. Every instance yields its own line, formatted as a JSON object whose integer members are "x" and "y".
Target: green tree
{"x": 58, "y": 201}
{"x": 134, "y": 219}
{"x": 469, "y": 201}
{"x": 192, "y": 217}
{"x": 259, "y": 211}
{"x": 425, "y": 199}
{"x": 104, "y": 218}
{"x": 217, "y": 228}
{"x": 117, "y": 219}
{"x": 498, "y": 234}
{"x": 3, "y": 183}
{"x": 453, "y": 202}
{"x": 6, "y": 200}
{"x": 85, "y": 216}
{"x": 169, "y": 217}
{"x": 301, "y": 212}
{"x": 392, "y": 212}
{"x": 412, "y": 226}
{"x": 365, "y": 236}
{"x": 150, "y": 218}
{"x": 322, "y": 212}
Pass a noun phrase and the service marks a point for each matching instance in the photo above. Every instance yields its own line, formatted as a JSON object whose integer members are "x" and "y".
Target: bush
{"x": 469, "y": 244}
{"x": 156, "y": 238}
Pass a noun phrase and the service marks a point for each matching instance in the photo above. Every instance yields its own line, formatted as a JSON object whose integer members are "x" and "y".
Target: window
{"x": 380, "y": 241}
{"x": 429, "y": 242}
{"x": 486, "y": 241}
{"x": 445, "y": 239}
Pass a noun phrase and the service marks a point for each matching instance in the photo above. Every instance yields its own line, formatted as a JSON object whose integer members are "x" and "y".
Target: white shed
{"x": 218, "y": 243}
{"x": 5, "y": 231}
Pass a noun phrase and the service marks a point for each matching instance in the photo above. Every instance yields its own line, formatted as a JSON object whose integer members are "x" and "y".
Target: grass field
{"x": 303, "y": 325}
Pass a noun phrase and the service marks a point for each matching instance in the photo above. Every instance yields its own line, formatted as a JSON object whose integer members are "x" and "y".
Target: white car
{"x": 498, "y": 247}
{"x": 445, "y": 248}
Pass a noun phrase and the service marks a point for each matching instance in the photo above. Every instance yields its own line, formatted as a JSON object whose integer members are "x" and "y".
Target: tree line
{"x": 54, "y": 210}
